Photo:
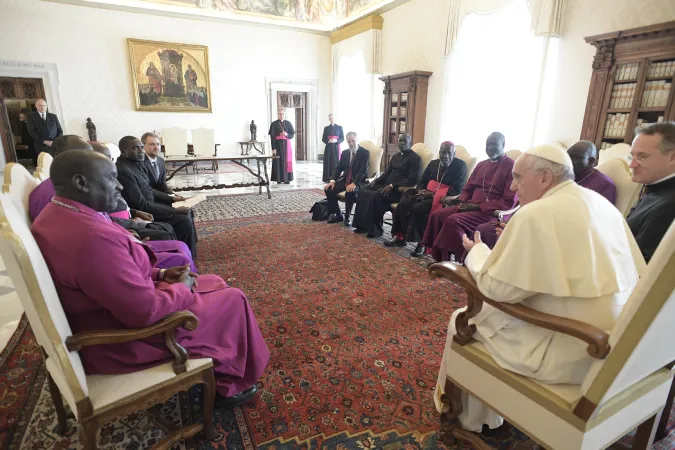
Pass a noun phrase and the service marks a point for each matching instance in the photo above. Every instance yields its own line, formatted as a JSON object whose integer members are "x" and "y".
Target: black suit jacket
{"x": 43, "y": 130}
{"x": 359, "y": 166}
{"x": 158, "y": 184}
{"x": 137, "y": 191}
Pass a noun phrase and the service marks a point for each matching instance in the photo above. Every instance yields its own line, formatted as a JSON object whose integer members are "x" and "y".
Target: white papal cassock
{"x": 569, "y": 253}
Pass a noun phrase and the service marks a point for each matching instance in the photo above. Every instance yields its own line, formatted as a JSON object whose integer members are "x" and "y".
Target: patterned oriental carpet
{"x": 356, "y": 333}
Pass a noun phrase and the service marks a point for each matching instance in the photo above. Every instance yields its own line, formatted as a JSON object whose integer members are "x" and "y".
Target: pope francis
{"x": 568, "y": 252}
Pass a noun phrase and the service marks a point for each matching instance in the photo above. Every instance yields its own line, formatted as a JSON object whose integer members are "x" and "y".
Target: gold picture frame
{"x": 170, "y": 77}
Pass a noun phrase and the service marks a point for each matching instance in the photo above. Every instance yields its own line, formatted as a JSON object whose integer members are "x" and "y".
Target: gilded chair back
{"x": 463, "y": 154}
{"x": 627, "y": 191}
{"x": 425, "y": 154}
{"x": 18, "y": 185}
{"x": 35, "y": 287}
{"x": 641, "y": 341}
{"x": 114, "y": 151}
{"x": 621, "y": 151}
{"x": 514, "y": 154}
{"x": 203, "y": 142}
{"x": 175, "y": 142}
{"x": 43, "y": 166}
{"x": 375, "y": 158}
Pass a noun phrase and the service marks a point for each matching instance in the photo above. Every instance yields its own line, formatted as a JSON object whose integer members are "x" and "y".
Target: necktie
{"x": 43, "y": 116}
{"x": 155, "y": 169}
{"x": 348, "y": 177}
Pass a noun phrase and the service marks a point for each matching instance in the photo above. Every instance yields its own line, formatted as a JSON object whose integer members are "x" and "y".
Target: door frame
{"x": 311, "y": 87}
{"x": 47, "y": 72}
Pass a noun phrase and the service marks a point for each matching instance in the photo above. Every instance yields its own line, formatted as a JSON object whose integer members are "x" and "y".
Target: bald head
{"x": 68, "y": 142}
{"x": 86, "y": 177}
{"x": 102, "y": 149}
{"x": 584, "y": 156}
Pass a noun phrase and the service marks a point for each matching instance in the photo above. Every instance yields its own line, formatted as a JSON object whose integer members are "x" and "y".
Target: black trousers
{"x": 411, "y": 216}
{"x": 371, "y": 207}
{"x": 331, "y": 197}
{"x": 184, "y": 227}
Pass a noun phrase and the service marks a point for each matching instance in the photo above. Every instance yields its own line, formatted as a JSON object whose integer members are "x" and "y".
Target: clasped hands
{"x": 461, "y": 206}
{"x": 181, "y": 274}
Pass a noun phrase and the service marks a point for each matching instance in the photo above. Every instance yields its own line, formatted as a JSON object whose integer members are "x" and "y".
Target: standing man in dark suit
{"x": 350, "y": 175}
{"x": 43, "y": 127}
{"x": 157, "y": 170}
{"x": 333, "y": 136}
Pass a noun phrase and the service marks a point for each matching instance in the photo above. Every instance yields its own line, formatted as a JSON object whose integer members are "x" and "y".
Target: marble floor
{"x": 307, "y": 175}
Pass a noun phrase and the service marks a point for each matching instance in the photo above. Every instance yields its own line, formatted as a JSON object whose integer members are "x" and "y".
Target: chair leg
{"x": 62, "y": 426}
{"x": 209, "y": 401}
{"x": 450, "y": 429}
{"x": 646, "y": 432}
{"x": 662, "y": 430}
{"x": 88, "y": 435}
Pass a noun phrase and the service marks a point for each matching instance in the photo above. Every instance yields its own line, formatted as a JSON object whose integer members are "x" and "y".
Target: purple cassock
{"x": 489, "y": 187}
{"x": 106, "y": 279}
{"x": 168, "y": 253}
{"x": 591, "y": 179}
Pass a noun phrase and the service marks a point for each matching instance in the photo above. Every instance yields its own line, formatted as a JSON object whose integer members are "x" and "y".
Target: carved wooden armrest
{"x": 167, "y": 325}
{"x": 597, "y": 340}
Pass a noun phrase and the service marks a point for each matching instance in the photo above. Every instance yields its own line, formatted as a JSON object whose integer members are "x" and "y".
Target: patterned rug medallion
{"x": 356, "y": 333}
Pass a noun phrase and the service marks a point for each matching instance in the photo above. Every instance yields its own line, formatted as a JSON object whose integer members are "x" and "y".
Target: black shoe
{"x": 346, "y": 222}
{"x": 395, "y": 243}
{"x": 359, "y": 230}
{"x": 335, "y": 218}
{"x": 419, "y": 251}
{"x": 237, "y": 399}
{"x": 371, "y": 236}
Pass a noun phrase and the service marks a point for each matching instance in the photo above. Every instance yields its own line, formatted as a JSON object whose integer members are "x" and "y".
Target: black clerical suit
{"x": 412, "y": 213}
{"x": 652, "y": 216}
{"x": 349, "y": 170}
{"x": 41, "y": 130}
{"x": 332, "y": 150}
{"x": 27, "y": 140}
{"x": 155, "y": 231}
{"x": 139, "y": 195}
{"x": 403, "y": 170}
{"x": 157, "y": 179}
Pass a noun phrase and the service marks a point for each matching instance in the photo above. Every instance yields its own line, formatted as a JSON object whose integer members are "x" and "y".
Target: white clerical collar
{"x": 672, "y": 175}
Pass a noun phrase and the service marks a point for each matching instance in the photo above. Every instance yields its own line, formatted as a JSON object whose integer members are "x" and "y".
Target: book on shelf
{"x": 627, "y": 72}
{"x": 641, "y": 123}
{"x": 404, "y": 96}
{"x": 403, "y": 110}
{"x": 402, "y": 126}
{"x": 616, "y": 125}
{"x": 622, "y": 95}
{"x": 661, "y": 69}
{"x": 656, "y": 94}
{"x": 394, "y": 98}
{"x": 393, "y": 110}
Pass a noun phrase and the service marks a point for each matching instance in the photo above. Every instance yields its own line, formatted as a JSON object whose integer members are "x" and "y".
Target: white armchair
{"x": 627, "y": 191}
{"x": 626, "y": 386}
{"x": 175, "y": 142}
{"x": 204, "y": 144}
{"x": 18, "y": 185}
{"x": 620, "y": 151}
{"x": 96, "y": 399}
{"x": 43, "y": 166}
{"x": 514, "y": 154}
{"x": 463, "y": 154}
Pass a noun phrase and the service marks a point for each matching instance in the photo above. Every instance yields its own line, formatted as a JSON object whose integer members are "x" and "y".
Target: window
{"x": 494, "y": 80}
{"x": 353, "y": 102}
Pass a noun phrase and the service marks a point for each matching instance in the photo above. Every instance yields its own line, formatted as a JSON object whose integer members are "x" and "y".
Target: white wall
{"x": 413, "y": 38}
{"x": 89, "y": 47}
{"x": 573, "y": 73}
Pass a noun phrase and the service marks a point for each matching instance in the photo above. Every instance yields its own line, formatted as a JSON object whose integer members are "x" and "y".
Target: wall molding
{"x": 372, "y": 22}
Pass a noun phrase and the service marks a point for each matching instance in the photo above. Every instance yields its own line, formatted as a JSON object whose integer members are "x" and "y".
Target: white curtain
{"x": 545, "y": 20}
{"x": 494, "y": 80}
{"x": 353, "y": 103}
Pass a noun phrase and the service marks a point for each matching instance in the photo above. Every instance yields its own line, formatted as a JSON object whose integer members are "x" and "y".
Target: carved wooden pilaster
{"x": 602, "y": 64}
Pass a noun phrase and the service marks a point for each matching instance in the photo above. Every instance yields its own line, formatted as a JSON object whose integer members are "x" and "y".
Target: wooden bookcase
{"x": 632, "y": 83}
{"x": 405, "y": 109}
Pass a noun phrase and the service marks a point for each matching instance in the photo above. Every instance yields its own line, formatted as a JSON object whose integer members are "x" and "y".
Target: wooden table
{"x": 246, "y": 147}
{"x": 189, "y": 160}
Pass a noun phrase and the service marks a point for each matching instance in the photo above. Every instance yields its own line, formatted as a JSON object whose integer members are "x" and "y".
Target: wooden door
{"x": 6, "y": 135}
{"x": 301, "y": 147}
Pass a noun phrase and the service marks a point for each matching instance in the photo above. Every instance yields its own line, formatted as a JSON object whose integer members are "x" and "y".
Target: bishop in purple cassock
{"x": 107, "y": 279}
{"x": 487, "y": 190}
{"x": 584, "y": 157}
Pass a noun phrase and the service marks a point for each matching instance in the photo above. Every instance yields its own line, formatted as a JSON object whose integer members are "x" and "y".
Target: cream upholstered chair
{"x": 43, "y": 166}
{"x": 96, "y": 399}
{"x": 621, "y": 150}
{"x": 425, "y": 154}
{"x": 175, "y": 142}
{"x": 374, "y": 161}
{"x": 514, "y": 154}
{"x": 18, "y": 184}
{"x": 626, "y": 386}
{"x": 114, "y": 151}
{"x": 627, "y": 191}
{"x": 204, "y": 144}
{"x": 463, "y": 154}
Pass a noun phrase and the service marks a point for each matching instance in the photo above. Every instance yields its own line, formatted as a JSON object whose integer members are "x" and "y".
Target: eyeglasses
{"x": 640, "y": 157}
